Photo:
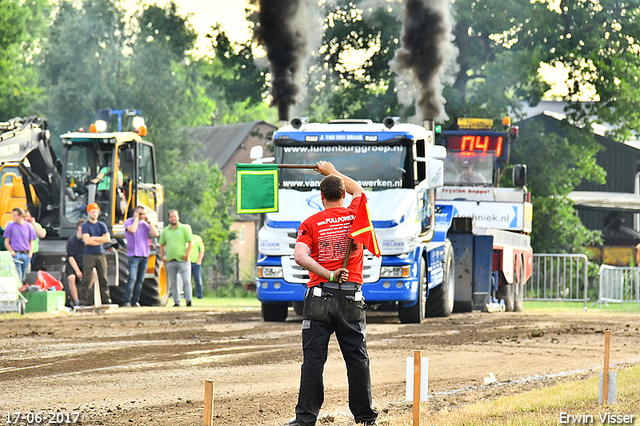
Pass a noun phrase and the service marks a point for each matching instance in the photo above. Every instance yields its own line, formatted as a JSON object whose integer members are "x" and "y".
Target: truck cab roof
{"x": 350, "y": 131}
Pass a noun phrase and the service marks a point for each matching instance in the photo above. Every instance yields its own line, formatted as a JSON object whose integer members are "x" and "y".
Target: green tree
{"x": 81, "y": 63}
{"x": 234, "y": 81}
{"x": 558, "y": 156}
{"x": 22, "y": 24}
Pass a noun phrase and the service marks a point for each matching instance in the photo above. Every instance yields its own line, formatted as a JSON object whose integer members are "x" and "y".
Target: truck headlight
{"x": 270, "y": 272}
{"x": 395, "y": 271}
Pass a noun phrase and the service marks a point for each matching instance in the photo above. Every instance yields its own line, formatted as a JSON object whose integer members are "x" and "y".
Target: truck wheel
{"x": 518, "y": 299}
{"x": 155, "y": 291}
{"x": 298, "y": 308}
{"x": 442, "y": 297}
{"x": 275, "y": 312}
{"x": 415, "y": 314}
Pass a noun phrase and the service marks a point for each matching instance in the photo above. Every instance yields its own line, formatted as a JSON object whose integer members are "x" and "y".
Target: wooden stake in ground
{"x": 208, "y": 403}
{"x": 605, "y": 375}
{"x": 417, "y": 362}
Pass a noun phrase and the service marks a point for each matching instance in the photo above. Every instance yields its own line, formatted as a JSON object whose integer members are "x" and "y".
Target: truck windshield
{"x": 374, "y": 167}
{"x": 470, "y": 170}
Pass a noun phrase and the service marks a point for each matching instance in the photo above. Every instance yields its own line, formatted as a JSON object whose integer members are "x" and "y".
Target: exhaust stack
{"x": 429, "y": 125}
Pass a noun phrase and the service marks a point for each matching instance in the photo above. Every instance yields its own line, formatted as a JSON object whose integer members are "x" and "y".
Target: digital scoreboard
{"x": 474, "y": 143}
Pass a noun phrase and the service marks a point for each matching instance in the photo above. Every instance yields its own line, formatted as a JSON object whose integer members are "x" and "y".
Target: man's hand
{"x": 325, "y": 168}
{"x": 79, "y": 274}
{"x": 185, "y": 257}
{"x": 341, "y": 275}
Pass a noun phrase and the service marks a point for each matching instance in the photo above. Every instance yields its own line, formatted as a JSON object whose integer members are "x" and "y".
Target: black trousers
{"x": 334, "y": 311}
{"x": 90, "y": 261}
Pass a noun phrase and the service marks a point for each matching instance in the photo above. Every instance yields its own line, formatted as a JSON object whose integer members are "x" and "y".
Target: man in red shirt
{"x": 334, "y": 301}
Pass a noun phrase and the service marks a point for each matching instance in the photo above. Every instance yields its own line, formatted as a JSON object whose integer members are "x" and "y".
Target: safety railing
{"x": 558, "y": 277}
{"x": 619, "y": 285}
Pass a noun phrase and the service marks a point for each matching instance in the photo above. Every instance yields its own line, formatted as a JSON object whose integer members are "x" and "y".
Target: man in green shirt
{"x": 196, "y": 263}
{"x": 176, "y": 242}
{"x": 103, "y": 179}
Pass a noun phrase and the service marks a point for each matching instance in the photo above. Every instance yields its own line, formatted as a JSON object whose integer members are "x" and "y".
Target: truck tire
{"x": 155, "y": 290}
{"x": 416, "y": 313}
{"x": 441, "y": 298}
{"x": 298, "y": 308}
{"x": 275, "y": 312}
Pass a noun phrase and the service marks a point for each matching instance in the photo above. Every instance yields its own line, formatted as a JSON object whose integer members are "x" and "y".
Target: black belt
{"x": 341, "y": 286}
{"x": 22, "y": 251}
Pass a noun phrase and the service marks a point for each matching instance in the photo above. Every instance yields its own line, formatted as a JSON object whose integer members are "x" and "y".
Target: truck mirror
{"x": 519, "y": 177}
{"x": 256, "y": 152}
{"x": 438, "y": 152}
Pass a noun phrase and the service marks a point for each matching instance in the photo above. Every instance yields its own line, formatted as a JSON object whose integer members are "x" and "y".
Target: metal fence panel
{"x": 619, "y": 285}
{"x": 558, "y": 277}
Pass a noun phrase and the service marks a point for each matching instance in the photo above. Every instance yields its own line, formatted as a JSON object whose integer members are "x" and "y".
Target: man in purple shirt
{"x": 19, "y": 238}
{"x": 137, "y": 232}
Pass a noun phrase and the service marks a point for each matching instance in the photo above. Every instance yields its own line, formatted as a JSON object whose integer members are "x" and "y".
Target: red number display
{"x": 471, "y": 143}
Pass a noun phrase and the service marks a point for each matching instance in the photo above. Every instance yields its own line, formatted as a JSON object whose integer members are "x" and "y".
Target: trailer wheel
{"x": 506, "y": 292}
{"x": 275, "y": 312}
{"x": 415, "y": 314}
{"x": 442, "y": 297}
{"x": 298, "y": 308}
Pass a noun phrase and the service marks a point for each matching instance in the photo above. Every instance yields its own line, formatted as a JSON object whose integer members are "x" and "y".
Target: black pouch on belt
{"x": 316, "y": 307}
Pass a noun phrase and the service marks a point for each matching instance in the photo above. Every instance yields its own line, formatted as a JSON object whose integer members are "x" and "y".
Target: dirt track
{"x": 147, "y": 366}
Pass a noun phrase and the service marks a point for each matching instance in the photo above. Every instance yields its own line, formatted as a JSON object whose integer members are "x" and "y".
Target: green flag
{"x": 257, "y": 188}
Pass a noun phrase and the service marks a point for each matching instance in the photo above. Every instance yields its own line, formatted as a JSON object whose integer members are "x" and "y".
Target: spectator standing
{"x": 75, "y": 253}
{"x": 19, "y": 238}
{"x": 40, "y": 233}
{"x": 197, "y": 253}
{"x": 137, "y": 232}
{"x": 94, "y": 234}
{"x": 176, "y": 243}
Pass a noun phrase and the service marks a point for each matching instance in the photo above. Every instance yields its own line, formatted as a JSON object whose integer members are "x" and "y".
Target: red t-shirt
{"x": 327, "y": 235}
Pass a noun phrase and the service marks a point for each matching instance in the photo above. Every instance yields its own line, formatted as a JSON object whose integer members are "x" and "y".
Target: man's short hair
{"x": 80, "y": 223}
{"x": 332, "y": 188}
{"x": 173, "y": 210}
{"x": 138, "y": 208}
{"x": 19, "y": 211}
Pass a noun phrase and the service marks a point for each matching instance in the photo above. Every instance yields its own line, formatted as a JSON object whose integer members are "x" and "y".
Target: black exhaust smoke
{"x": 285, "y": 41}
{"x": 427, "y": 53}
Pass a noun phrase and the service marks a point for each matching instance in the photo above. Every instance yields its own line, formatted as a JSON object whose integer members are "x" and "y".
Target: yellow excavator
{"x": 59, "y": 189}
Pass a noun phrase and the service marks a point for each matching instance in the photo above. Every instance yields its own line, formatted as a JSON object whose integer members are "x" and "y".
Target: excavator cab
{"x": 116, "y": 171}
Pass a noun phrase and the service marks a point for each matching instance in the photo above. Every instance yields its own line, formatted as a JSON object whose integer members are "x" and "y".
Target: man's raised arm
{"x": 326, "y": 168}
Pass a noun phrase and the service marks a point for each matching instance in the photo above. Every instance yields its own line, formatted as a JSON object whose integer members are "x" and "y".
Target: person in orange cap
{"x": 94, "y": 234}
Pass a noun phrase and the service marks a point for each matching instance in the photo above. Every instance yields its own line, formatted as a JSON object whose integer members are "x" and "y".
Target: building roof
{"x": 557, "y": 110}
{"x": 221, "y": 141}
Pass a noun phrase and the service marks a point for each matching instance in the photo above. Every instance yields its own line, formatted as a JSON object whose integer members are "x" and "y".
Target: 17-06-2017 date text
{"x": 33, "y": 418}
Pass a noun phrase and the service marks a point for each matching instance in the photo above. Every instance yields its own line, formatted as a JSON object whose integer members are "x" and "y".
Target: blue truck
{"x": 399, "y": 166}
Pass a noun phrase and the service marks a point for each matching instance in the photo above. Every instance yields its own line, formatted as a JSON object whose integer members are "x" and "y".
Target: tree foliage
{"x": 21, "y": 26}
{"x": 96, "y": 57}
{"x": 558, "y": 157}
